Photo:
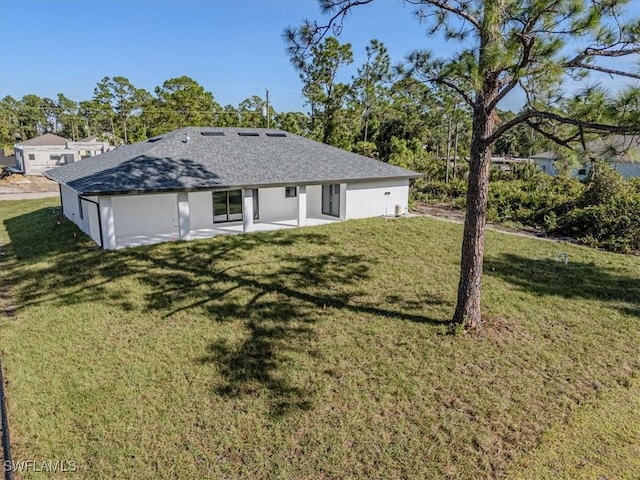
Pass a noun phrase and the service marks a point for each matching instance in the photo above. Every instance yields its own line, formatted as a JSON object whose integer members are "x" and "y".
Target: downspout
{"x": 61, "y": 202}
{"x": 99, "y": 218}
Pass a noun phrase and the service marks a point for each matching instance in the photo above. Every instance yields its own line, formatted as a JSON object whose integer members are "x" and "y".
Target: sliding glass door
{"x": 227, "y": 206}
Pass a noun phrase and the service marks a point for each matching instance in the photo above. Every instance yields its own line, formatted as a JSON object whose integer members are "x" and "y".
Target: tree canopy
{"x": 508, "y": 44}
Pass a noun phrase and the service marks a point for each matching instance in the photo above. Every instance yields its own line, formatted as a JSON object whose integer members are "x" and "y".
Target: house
{"x": 508, "y": 164}
{"x": 198, "y": 182}
{"x": 41, "y": 153}
{"x": 622, "y": 152}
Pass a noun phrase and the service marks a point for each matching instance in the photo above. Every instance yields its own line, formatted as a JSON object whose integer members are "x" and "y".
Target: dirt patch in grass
{"x": 28, "y": 183}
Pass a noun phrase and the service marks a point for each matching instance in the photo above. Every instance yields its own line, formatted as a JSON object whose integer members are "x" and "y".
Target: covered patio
{"x": 232, "y": 228}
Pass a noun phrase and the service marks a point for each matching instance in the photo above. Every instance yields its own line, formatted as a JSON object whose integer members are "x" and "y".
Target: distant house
{"x": 622, "y": 152}
{"x": 199, "y": 182}
{"x": 508, "y": 164}
{"x": 41, "y": 153}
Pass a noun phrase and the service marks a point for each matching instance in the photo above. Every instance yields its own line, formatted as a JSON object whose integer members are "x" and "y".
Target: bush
{"x": 607, "y": 214}
{"x": 603, "y": 212}
{"x": 603, "y": 185}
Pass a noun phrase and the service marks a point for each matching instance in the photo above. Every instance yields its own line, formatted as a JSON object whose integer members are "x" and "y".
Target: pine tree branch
{"x": 512, "y": 80}
{"x": 578, "y": 60}
{"x": 565, "y": 142}
{"x": 529, "y": 114}
{"x": 302, "y": 39}
{"x": 443, "y": 5}
{"x": 610, "y": 71}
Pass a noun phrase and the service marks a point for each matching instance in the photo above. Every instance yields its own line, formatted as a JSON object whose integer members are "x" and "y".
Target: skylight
{"x": 276, "y": 135}
{"x": 212, "y": 134}
{"x": 151, "y": 140}
{"x": 249, "y": 134}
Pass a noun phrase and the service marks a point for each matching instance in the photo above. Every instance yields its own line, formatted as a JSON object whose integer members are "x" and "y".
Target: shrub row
{"x": 602, "y": 212}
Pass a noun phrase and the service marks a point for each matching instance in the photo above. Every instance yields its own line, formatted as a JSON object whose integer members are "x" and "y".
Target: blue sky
{"x": 233, "y": 48}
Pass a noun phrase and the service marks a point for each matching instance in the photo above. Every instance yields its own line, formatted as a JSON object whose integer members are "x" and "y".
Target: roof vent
{"x": 249, "y": 134}
{"x": 212, "y": 134}
{"x": 151, "y": 140}
{"x": 276, "y": 135}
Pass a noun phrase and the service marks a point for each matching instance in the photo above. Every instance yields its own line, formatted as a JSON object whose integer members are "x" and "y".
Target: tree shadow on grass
{"x": 44, "y": 233}
{"x": 279, "y": 300}
{"x": 574, "y": 280}
{"x": 275, "y": 285}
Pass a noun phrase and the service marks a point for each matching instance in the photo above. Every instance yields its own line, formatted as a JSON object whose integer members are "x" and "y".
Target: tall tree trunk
{"x": 446, "y": 176}
{"x": 366, "y": 122}
{"x": 455, "y": 151}
{"x": 124, "y": 129}
{"x": 468, "y": 312}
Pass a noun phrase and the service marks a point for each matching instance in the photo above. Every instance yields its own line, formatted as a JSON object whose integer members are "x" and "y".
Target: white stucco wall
{"x": 627, "y": 169}
{"x": 201, "y": 210}
{"x": 132, "y": 220}
{"x": 368, "y": 199}
{"x": 70, "y": 206}
{"x": 89, "y": 221}
{"x": 92, "y": 219}
{"x": 274, "y": 206}
{"x": 546, "y": 165}
{"x": 314, "y": 200}
{"x": 145, "y": 215}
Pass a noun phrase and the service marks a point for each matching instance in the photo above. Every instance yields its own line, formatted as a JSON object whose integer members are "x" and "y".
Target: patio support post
{"x": 107, "y": 223}
{"x": 184, "y": 219}
{"x": 247, "y": 209}
{"x": 302, "y": 205}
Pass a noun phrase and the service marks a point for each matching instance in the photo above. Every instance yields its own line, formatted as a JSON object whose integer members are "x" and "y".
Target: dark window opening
{"x": 276, "y": 135}
{"x": 582, "y": 171}
{"x": 249, "y": 134}
{"x": 256, "y": 205}
{"x": 212, "y": 134}
{"x": 32, "y": 156}
{"x": 290, "y": 192}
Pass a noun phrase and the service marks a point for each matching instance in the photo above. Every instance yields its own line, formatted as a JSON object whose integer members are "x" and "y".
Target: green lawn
{"x": 317, "y": 353}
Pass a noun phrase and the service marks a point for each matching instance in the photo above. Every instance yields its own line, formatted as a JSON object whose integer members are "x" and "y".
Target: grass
{"x": 317, "y": 353}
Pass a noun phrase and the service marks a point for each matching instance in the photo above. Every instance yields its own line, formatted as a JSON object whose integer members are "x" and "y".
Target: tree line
{"x": 379, "y": 112}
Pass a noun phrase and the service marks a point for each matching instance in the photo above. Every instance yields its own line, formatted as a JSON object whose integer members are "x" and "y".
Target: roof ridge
{"x": 156, "y": 144}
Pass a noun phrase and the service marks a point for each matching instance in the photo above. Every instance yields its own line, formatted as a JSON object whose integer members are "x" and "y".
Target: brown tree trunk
{"x": 468, "y": 312}
{"x": 124, "y": 129}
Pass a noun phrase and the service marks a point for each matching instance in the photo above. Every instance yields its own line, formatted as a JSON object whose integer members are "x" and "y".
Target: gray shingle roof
{"x": 169, "y": 162}
{"x": 46, "y": 140}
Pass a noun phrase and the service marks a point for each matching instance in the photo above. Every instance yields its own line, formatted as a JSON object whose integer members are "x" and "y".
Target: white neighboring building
{"x": 622, "y": 152}
{"x": 47, "y": 151}
{"x": 198, "y": 182}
